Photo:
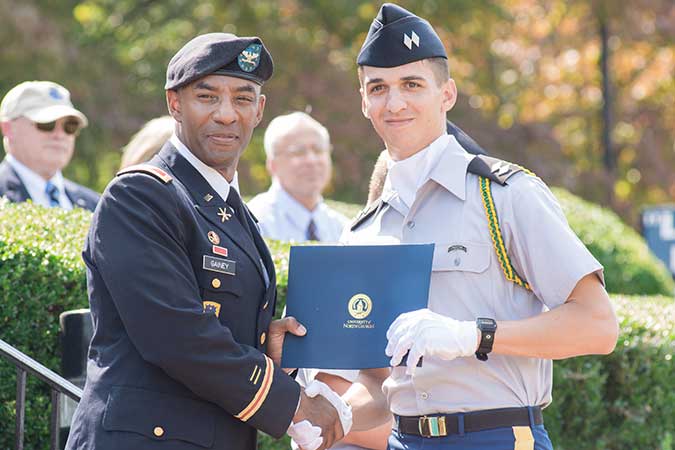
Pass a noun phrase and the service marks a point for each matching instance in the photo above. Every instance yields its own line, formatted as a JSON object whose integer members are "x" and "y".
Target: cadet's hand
{"x": 276, "y": 334}
{"x": 426, "y": 333}
{"x": 321, "y": 413}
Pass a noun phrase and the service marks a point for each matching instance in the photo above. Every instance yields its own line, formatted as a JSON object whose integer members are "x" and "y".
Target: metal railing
{"x": 25, "y": 364}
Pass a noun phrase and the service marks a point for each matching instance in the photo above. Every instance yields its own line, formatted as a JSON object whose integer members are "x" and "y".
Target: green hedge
{"x": 41, "y": 275}
{"x": 621, "y": 401}
{"x": 630, "y": 268}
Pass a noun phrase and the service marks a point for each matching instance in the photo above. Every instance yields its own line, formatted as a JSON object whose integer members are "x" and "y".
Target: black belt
{"x": 445, "y": 425}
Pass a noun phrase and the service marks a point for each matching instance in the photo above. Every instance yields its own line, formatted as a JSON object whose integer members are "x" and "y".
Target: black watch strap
{"x": 488, "y": 328}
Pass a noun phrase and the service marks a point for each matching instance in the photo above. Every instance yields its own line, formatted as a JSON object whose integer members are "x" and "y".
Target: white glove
{"x": 426, "y": 333}
{"x": 304, "y": 435}
{"x": 344, "y": 410}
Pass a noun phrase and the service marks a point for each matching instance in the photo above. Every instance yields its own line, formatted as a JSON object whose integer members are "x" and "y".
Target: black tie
{"x": 311, "y": 231}
{"x": 234, "y": 201}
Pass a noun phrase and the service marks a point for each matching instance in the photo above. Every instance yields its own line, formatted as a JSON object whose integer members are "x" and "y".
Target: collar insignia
{"x": 224, "y": 215}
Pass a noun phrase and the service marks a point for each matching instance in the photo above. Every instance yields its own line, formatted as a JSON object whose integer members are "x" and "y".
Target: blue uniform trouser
{"x": 533, "y": 437}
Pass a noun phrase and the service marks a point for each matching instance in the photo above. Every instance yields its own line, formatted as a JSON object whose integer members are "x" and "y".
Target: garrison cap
{"x": 397, "y": 37}
{"x": 219, "y": 54}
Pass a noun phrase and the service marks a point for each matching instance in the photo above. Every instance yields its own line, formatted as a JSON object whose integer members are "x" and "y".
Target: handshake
{"x": 322, "y": 418}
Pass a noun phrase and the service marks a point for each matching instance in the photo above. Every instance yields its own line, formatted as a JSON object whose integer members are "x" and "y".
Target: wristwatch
{"x": 487, "y": 328}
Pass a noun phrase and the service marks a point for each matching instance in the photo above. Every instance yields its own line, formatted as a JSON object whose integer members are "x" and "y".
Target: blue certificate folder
{"x": 347, "y": 296}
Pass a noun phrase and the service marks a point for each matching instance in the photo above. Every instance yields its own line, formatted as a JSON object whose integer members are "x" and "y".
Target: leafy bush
{"x": 616, "y": 402}
{"x": 41, "y": 275}
{"x": 625, "y": 400}
{"x": 630, "y": 268}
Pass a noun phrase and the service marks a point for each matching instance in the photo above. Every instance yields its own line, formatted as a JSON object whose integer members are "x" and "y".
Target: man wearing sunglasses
{"x": 39, "y": 126}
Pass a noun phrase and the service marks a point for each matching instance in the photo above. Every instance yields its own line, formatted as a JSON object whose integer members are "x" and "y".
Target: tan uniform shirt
{"x": 467, "y": 280}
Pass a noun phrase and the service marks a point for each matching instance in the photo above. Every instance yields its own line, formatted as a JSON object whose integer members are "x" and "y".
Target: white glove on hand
{"x": 426, "y": 333}
{"x": 344, "y": 410}
{"x": 305, "y": 435}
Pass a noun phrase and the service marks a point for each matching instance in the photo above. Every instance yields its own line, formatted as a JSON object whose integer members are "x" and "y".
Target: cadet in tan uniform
{"x": 512, "y": 287}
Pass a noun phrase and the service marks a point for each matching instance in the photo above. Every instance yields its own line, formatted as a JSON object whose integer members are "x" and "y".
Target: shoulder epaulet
{"x": 366, "y": 213}
{"x": 494, "y": 169}
{"x": 150, "y": 170}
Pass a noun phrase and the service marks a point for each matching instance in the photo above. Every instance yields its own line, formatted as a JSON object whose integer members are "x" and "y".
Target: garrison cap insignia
{"x": 408, "y": 41}
{"x": 223, "y": 214}
{"x": 213, "y": 237}
{"x": 211, "y": 307}
{"x": 222, "y": 251}
{"x": 208, "y": 197}
{"x": 249, "y": 59}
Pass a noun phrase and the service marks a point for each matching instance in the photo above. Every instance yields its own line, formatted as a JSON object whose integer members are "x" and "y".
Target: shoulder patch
{"x": 366, "y": 213}
{"x": 494, "y": 169}
{"x": 156, "y": 172}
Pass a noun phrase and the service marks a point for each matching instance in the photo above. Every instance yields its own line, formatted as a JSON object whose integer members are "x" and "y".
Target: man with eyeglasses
{"x": 298, "y": 158}
{"x": 39, "y": 125}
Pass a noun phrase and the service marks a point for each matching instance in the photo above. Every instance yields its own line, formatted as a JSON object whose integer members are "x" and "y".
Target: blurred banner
{"x": 658, "y": 229}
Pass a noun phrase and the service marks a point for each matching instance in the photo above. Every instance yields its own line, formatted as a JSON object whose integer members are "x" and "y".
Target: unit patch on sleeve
{"x": 211, "y": 307}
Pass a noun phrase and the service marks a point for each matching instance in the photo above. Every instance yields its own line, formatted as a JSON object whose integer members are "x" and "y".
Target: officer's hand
{"x": 426, "y": 333}
{"x": 320, "y": 413}
{"x": 276, "y": 334}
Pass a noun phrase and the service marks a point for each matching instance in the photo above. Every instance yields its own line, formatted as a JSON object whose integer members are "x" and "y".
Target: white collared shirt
{"x": 282, "y": 217}
{"x": 36, "y": 185}
{"x": 211, "y": 175}
{"x": 405, "y": 177}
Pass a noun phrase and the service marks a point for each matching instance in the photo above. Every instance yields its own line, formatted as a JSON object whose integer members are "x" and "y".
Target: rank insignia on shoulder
{"x": 156, "y": 172}
{"x": 211, "y": 307}
{"x": 493, "y": 169}
{"x": 366, "y": 213}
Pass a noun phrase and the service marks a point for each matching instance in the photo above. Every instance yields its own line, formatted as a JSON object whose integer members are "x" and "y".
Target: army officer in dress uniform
{"x": 181, "y": 285}
{"x": 512, "y": 287}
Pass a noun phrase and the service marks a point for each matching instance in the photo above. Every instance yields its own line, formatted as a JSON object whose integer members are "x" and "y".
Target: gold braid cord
{"x": 496, "y": 234}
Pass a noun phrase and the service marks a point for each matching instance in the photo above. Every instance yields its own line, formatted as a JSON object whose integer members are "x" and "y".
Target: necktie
{"x": 236, "y": 204}
{"x": 52, "y": 194}
{"x": 311, "y": 231}
{"x": 234, "y": 201}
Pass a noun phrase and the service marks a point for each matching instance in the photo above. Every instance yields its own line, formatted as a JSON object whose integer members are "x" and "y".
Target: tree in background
{"x": 527, "y": 70}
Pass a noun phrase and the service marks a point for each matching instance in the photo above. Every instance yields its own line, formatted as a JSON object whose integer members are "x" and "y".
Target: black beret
{"x": 397, "y": 37}
{"x": 221, "y": 54}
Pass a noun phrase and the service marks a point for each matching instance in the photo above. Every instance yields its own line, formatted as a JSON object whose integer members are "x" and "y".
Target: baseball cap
{"x": 39, "y": 101}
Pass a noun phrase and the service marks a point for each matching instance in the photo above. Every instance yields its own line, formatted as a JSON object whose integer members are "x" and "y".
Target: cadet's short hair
{"x": 283, "y": 125}
{"x": 439, "y": 66}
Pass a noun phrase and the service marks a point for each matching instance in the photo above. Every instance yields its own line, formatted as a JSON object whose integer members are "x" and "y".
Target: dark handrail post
{"x": 20, "y": 406}
{"x": 54, "y": 423}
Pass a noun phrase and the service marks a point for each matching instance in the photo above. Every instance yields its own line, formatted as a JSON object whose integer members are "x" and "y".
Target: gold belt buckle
{"x": 432, "y": 426}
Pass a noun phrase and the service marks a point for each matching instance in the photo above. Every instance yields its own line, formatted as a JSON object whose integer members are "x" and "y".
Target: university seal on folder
{"x": 347, "y": 296}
